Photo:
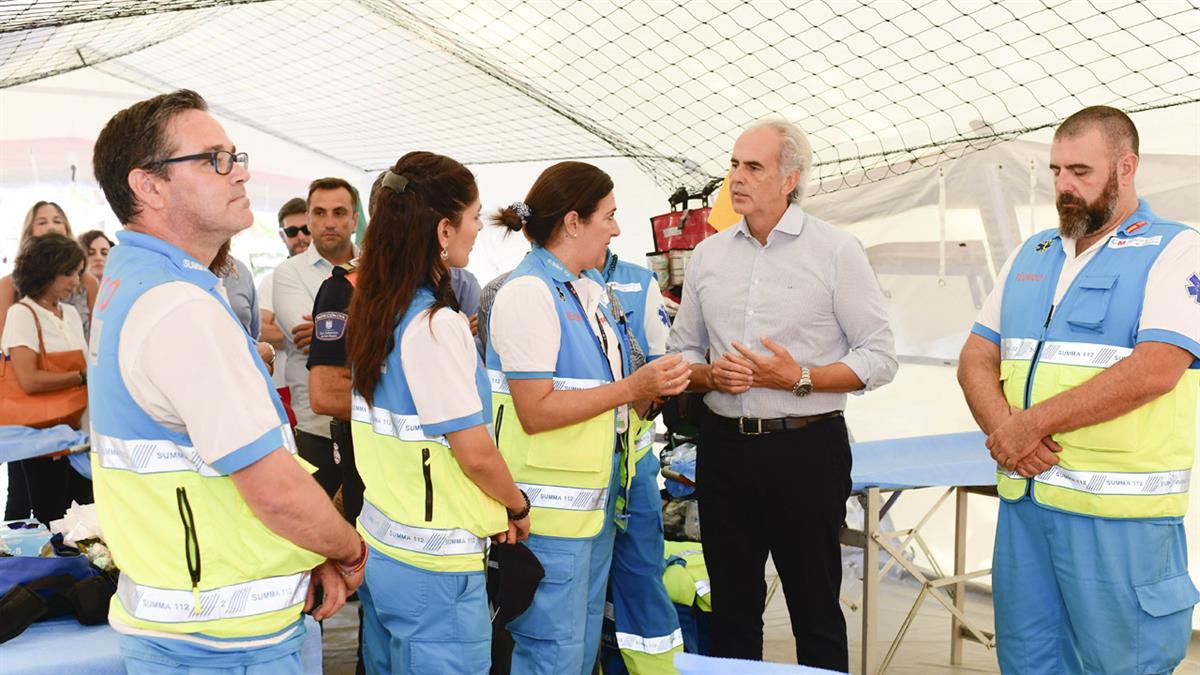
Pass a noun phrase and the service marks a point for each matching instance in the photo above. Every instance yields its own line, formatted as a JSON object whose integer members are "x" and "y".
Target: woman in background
{"x": 97, "y": 245}
{"x": 43, "y": 218}
{"x": 47, "y": 272}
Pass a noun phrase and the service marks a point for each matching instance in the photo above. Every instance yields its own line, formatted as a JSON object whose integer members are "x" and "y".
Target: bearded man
{"x": 1083, "y": 370}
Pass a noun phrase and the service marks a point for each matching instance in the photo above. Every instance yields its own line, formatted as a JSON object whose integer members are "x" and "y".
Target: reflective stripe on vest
{"x": 565, "y": 498}
{"x": 650, "y": 645}
{"x": 387, "y": 423}
{"x": 259, "y": 596}
{"x": 1118, "y": 483}
{"x": 703, "y": 587}
{"x": 419, "y": 539}
{"x": 146, "y": 456}
{"x": 500, "y": 383}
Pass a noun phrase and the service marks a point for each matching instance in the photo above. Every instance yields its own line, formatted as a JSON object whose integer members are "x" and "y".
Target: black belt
{"x": 755, "y": 426}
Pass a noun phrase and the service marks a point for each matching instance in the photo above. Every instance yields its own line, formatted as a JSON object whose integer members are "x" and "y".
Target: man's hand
{"x": 1042, "y": 458}
{"x": 475, "y": 325}
{"x": 777, "y": 371}
{"x": 724, "y": 374}
{"x": 1017, "y": 439}
{"x": 302, "y": 333}
{"x": 327, "y": 577}
{"x": 518, "y": 530}
{"x": 267, "y": 353}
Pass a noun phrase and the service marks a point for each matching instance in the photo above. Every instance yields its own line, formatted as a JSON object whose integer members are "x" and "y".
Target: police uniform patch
{"x": 329, "y": 326}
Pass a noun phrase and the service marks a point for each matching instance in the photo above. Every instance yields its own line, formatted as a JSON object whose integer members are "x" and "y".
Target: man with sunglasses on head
{"x": 221, "y": 535}
{"x": 293, "y": 231}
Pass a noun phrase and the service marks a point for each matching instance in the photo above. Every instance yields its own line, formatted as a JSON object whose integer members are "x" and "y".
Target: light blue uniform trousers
{"x": 417, "y": 621}
{"x": 641, "y": 606}
{"x": 164, "y": 656}
{"x": 1078, "y": 594}
{"x": 560, "y": 632}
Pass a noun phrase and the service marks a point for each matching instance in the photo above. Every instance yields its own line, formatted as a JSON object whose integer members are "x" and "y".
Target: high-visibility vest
{"x": 193, "y": 557}
{"x": 565, "y": 471}
{"x": 686, "y": 575}
{"x": 1137, "y": 465}
{"x": 418, "y": 505}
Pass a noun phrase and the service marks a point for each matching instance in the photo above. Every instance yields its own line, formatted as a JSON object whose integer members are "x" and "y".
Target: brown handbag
{"x": 64, "y": 406}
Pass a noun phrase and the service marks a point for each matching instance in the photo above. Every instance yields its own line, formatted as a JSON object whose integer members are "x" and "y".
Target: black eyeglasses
{"x": 222, "y": 160}
{"x": 293, "y": 231}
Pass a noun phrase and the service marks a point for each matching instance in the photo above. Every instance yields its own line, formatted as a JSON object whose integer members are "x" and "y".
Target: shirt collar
{"x": 792, "y": 222}
{"x": 315, "y": 259}
{"x": 193, "y": 270}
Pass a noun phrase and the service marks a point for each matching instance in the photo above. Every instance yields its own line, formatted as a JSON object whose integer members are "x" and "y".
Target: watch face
{"x": 804, "y": 390}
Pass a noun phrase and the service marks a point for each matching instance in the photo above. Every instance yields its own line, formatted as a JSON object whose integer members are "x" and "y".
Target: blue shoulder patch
{"x": 329, "y": 326}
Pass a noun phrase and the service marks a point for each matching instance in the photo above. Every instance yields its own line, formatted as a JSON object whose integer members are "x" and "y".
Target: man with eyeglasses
{"x": 293, "y": 231}
{"x": 332, "y": 219}
{"x": 221, "y": 535}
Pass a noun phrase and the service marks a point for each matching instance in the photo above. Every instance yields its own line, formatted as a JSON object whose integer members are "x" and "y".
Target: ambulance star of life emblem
{"x": 1193, "y": 287}
{"x": 1042, "y": 246}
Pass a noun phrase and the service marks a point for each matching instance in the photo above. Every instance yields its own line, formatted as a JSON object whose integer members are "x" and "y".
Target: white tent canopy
{"x": 899, "y": 99}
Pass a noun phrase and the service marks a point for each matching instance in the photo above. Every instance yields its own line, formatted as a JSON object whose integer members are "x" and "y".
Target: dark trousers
{"x": 17, "y": 506}
{"x": 51, "y": 485}
{"x": 318, "y": 451}
{"x": 783, "y": 493}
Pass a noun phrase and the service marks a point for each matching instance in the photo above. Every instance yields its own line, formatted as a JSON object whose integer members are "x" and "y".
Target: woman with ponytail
{"x": 435, "y": 486}
{"x": 561, "y": 389}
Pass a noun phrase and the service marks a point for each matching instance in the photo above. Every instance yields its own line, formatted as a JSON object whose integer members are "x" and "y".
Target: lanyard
{"x": 603, "y": 338}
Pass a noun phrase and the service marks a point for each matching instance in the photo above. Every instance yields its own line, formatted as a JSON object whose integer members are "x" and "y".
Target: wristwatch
{"x": 804, "y": 386}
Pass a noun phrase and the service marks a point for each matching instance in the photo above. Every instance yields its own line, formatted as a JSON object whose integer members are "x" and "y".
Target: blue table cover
{"x": 953, "y": 460}
{"x": 64, "y": 647}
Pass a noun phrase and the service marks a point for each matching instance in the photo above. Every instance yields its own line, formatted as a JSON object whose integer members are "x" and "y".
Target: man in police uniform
{"x": 212, "y": 519}
{"x": 1083, "y": 370}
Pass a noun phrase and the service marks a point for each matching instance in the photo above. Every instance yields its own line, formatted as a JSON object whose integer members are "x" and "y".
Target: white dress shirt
{"x": 294, "y": 289}
{"x": 810, "y": 288}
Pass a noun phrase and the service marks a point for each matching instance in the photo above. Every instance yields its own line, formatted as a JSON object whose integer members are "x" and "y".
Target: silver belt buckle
{"x": 742, "y": 427}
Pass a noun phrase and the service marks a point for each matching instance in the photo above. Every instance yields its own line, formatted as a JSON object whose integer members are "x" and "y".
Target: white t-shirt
{"x": 439, "y": 362}
{"x": 60, "y": 335}
{"x": 1168, "y": 305}
{"x": 266, "y": 289}
{"x": 525, "y": 332}
{"x": 185, "y": 361}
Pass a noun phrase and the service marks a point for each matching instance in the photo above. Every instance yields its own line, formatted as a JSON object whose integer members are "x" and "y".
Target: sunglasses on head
{"x": 293, "y": 231}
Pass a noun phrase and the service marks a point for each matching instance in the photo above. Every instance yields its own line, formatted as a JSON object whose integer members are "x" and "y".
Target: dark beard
{"x": 1078, "y": 219}
{"x": 221, "y": 264}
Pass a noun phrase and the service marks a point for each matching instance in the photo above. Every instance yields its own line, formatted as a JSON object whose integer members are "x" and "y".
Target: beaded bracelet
{"x": 357, "y": 565}
{"x": 524, "y": 512}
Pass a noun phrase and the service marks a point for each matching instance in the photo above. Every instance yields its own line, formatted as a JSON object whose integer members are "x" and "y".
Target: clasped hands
{"x": 737, "y": 373}
{"x": 1017, "y": 445}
